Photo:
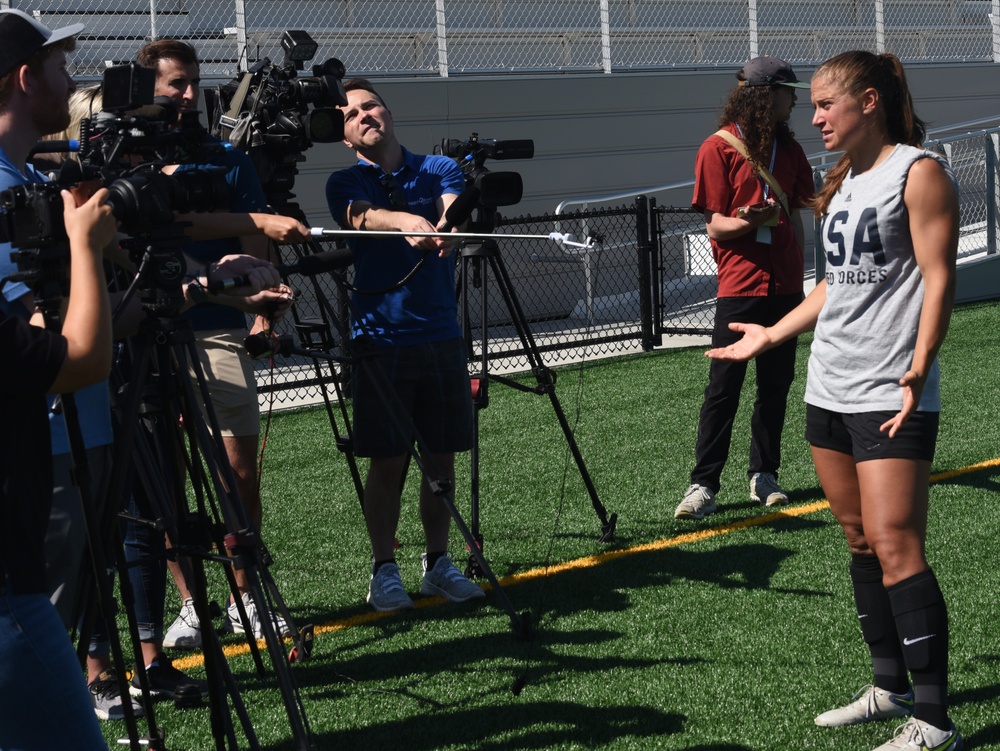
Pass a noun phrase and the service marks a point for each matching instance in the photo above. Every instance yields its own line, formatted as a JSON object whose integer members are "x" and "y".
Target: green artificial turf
{"x": 730, "y": 642}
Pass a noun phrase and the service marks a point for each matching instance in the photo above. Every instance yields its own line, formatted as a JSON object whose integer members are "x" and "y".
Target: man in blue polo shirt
{"x": 416, "y": 336}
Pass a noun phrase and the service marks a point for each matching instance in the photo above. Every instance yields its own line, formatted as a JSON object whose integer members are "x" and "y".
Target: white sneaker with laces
{"x": 870, "y": 703}
{"x": 444, "y": 580}
{"x": 764, "y": 489}
{"x": 185, "y": 631}
{"x": 698, "y": 503}
{"x": 920, "y": 736}
{"x": 236, "y": 625}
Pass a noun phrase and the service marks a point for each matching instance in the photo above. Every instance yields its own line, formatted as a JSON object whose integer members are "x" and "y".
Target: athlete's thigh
{"x": 894, "y": 496}
{"x": 838, "y": 475}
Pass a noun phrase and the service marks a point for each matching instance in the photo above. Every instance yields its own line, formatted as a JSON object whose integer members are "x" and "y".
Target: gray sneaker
{"x": 386, "y": 592}
{"x": 870, "y": 703}
{"x": 444, "y": 580}
{"x": 107, "y": 698}
{"x": 698, "y": 503}
{"x": 764, "y": 489}
{"x": 185, "y": 631}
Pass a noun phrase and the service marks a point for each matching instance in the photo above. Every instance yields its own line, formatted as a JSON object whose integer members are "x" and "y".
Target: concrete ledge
{"x": 978, "y": 278}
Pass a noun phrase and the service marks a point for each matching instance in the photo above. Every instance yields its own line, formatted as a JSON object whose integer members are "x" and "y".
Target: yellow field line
{"x": 234, "y": 650}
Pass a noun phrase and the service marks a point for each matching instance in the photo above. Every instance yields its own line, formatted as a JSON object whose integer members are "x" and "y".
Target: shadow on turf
{"x": 531, "y": 725}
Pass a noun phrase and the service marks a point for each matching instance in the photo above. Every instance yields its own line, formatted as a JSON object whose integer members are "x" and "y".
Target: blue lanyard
{"x": 774, "y": 153}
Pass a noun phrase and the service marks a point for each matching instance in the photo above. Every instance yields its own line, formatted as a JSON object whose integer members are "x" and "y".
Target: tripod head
{"x": 161, "y": 269}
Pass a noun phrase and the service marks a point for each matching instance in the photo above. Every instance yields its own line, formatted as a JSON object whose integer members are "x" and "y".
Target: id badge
{"x": 764, "y": 235}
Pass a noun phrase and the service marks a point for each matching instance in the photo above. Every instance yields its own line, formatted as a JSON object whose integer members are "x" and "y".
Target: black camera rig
{"x": 494, "y": 188}
{"x": 274, "y": 114}
{"x": 123, "y": 148}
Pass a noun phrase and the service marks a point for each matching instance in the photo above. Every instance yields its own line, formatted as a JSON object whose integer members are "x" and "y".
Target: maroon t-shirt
{"x": 724, "y": 181}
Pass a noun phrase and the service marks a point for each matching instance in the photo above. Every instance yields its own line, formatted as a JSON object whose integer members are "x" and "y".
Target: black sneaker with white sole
{"x": 165, "y": 680}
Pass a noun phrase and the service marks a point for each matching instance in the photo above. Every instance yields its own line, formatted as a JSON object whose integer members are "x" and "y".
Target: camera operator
{"x": 416, "y": 335}
{"x": 220, "y": 328}
{"x": 66, "y": 538}
{"x": 43, "y": 700}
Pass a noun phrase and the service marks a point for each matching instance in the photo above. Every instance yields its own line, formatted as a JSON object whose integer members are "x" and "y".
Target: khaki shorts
{"x": 229, "y": 375}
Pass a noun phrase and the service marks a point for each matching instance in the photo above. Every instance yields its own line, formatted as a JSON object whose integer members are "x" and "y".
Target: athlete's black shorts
{"x": 858, "y": 434}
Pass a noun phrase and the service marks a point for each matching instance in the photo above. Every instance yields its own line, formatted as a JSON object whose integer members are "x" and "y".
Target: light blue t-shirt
{"x": 93, "y": 403}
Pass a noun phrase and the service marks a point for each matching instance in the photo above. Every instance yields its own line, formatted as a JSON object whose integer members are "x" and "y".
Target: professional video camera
{"x": 493, "y": 188}
{"x": 273, "y": 114}
{"x": 123, "y": 148}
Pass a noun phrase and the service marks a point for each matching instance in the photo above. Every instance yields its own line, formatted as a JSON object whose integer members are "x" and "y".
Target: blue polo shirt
{"x": 245, "y": 195}
{"x": 424, "y": 310}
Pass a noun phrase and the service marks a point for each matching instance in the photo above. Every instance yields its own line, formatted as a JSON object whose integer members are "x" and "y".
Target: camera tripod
{"x": 183, "y": 442}
{"x": 475, "y": 260}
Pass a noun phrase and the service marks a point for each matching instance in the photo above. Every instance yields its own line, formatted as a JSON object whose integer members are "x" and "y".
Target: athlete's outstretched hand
{"x": 755, "y": 340}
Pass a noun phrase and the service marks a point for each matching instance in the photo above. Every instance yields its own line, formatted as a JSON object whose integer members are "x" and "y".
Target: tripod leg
{"x": 546, "y": 384}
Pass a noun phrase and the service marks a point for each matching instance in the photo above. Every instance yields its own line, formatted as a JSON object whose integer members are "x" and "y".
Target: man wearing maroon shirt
{"x": 757, "y": 240}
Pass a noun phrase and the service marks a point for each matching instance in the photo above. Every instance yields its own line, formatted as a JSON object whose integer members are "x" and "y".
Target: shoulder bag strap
{"x": 737, "y": 144}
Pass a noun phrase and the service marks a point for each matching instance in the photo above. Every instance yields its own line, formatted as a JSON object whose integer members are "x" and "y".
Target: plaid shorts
{"x": 419, "y": 389}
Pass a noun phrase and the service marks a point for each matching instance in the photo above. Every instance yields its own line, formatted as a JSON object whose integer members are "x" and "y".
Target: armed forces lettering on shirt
{"x": 866, "y": 262}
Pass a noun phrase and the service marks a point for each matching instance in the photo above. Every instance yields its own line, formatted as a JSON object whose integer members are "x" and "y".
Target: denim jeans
{"x": 44, "y": 703}
{"x": 145, "y": 543}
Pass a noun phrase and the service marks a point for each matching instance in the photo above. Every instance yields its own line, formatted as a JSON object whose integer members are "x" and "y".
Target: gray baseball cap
{"x": 769, "y": 71}
{"x": 21, "y": 36}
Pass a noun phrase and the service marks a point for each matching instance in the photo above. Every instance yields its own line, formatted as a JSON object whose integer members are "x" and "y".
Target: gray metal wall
{"x": 600, "y": 134}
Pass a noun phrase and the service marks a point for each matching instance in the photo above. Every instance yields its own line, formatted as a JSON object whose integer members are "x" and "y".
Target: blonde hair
{"x": 83, "y": 103}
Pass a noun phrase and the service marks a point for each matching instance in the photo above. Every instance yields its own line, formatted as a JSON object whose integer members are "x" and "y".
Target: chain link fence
{"x": 453, "y": 37}
{"x": 645, "y": 275}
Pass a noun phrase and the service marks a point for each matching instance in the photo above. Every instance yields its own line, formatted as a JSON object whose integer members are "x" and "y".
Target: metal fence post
{"x": 643, "y": 225}
{"x": 152, "y": 19}
{"x": 242, "y": 51}
{"x": 442, "y": 39}
{"x": 992, "y": 191}
{"x": 752, "y": 23}
{"x": 606, "y": 36}
{"x": 879, "y": 26}
{"x": 995, "y": 22}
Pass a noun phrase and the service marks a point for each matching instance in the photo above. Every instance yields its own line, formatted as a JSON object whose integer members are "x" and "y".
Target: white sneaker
{"x": 698, "y": 503}
{"x": 870, "y": 703}
{"x": 917, "y": 734}
{"x": 236, "y": 625}
{"x": 764, "y": 489}
{"x": 185, "y": 631}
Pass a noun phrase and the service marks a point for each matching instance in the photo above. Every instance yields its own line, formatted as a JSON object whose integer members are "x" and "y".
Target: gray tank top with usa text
{"x": 867, "y": 330}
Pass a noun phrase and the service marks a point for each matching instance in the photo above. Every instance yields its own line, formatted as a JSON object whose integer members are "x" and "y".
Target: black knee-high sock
{"x": 922, "y": 622}
{"x": 878, "y": 626}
